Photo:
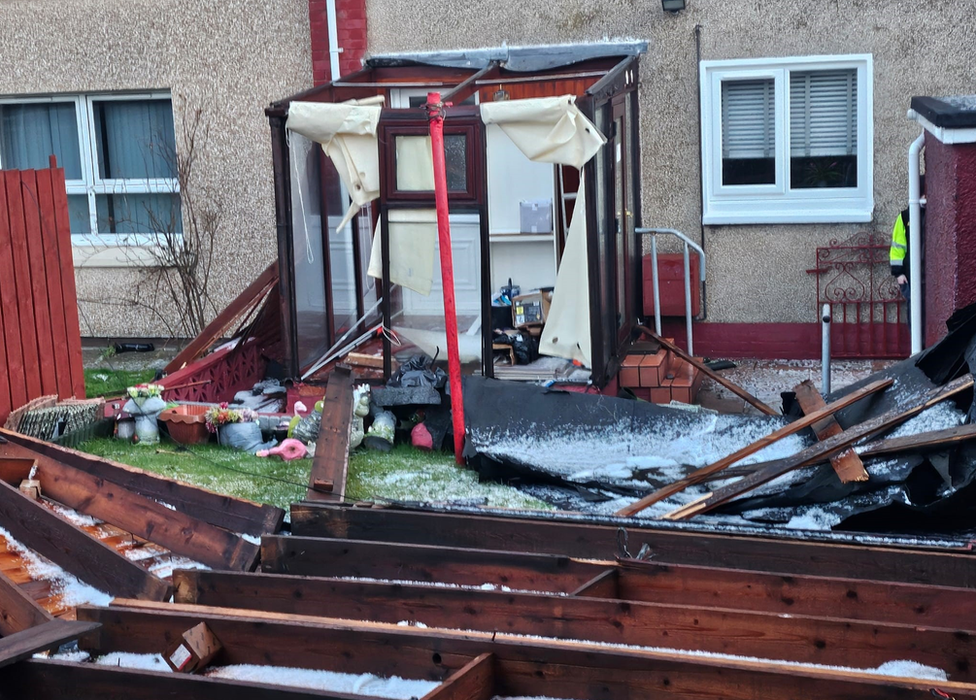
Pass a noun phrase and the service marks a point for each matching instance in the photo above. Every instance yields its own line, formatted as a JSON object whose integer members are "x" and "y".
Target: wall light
{"x": 673, "y": 5}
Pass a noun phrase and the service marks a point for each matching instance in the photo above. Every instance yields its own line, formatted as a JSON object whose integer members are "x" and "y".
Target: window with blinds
{"x": 748, "y": 132}
{"x": 823, "y": 128}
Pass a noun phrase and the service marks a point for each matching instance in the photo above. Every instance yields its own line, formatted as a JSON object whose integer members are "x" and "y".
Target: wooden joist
{"x": 306, "y": 556}
{"x": 73, "y": 550}
{"x": 475, "y": 681}
{"x": 820, "y": 451}
{"x": 179, "y": 532}
{"x": 18, "y": 611}
{"x": 49, "y": 635}
{"x": 573, "y": 537}
{"x": 331, "y": 461}
{"x": 699, "y": 475}
{"x": 41, "y": 679}
{"x": 523, "y": 667}
{"x": 234, "y": 514}
{"x": 847, "y": 464}
{"x": 797, "y": 638}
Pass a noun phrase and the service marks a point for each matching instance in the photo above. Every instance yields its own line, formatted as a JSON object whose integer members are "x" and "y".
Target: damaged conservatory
{"x": 541, "y": 152}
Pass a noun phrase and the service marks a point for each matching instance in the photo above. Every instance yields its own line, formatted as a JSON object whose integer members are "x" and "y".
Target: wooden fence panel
{"x": 40, "y": 337}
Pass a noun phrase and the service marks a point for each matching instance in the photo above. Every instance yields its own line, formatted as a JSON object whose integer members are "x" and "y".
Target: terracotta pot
{"x": 186, "y": 424}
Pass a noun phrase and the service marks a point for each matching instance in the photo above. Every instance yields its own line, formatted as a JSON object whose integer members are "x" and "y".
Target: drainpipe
{"x": 915, "y": 238}
{"x": 334, "y": 50}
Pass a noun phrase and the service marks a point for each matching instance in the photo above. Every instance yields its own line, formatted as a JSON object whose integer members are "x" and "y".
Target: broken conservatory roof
{"x": 523, "y": 59}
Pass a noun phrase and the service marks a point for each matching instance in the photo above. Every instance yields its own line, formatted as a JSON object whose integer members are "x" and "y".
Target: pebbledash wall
{"x": 757, "y": 279}
{"x": 230, "y": 58}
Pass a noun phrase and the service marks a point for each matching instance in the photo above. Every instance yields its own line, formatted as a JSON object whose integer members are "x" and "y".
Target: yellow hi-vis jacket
{"x": 898, "y": 253}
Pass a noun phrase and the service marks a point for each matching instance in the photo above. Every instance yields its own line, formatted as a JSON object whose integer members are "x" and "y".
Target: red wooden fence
{"x": 40, "y": 347}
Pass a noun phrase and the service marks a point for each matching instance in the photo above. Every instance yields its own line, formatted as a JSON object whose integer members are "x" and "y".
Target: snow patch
{"x": 363, "y": 684}
{"x": 144, "y": 662}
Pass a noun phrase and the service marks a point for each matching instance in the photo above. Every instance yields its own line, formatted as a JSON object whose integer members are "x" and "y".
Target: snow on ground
{"x": 363, "y": 684}
{"x": 72, "y": 591}
{"x": 144, "y": 662}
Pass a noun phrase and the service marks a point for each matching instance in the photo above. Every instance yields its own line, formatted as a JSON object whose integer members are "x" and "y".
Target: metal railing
{"x": 686, "y": 244}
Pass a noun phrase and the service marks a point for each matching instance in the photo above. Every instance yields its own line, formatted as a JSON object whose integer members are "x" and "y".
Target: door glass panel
{"x": 414, "y": 164}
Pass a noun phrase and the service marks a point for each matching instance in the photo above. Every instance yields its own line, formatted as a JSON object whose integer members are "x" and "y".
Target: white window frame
{"x": 778, "y": 203}
{"x": 103, "y": 248}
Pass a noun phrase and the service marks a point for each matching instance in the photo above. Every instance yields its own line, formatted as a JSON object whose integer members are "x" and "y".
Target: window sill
{"x": 796, "y": 217}
{"x": 89, "y": 256}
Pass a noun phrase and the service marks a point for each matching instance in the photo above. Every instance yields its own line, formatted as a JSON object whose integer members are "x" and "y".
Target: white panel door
{"x": 466, "y": 244}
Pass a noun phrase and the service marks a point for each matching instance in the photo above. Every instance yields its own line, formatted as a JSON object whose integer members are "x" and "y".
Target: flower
{"x": 222, "y": 414}
{"x": 144, "y": 391}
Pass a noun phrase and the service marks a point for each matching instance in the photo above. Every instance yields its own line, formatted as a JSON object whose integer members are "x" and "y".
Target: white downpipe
{"x": 915, "y": 239}
{"x": 334, "y": 50}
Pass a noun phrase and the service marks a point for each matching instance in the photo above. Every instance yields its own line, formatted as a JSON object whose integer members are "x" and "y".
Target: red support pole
{"x": 436, "y": 121}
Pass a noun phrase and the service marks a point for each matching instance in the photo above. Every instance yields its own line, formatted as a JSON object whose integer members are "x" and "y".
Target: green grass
{"x": 405, "y": 474}
{"x": 114, "y": 382}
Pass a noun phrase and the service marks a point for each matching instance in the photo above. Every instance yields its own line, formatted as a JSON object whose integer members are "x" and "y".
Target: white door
{"x": 466, "y": 246}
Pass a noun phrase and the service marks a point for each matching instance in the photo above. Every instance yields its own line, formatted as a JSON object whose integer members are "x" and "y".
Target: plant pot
{"x": 147, "y": 430}
{"x": 186, "y": 424}
{"x": 241, "y": 436}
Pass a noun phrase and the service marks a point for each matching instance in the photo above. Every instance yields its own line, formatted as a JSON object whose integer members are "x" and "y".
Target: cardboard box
{"x": 535, "y": 216}
{"x": 530, "y": 309}
{"x": 193, "y": 651}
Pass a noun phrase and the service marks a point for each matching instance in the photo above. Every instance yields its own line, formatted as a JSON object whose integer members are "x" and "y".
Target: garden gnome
{"x": 360, "y": 409}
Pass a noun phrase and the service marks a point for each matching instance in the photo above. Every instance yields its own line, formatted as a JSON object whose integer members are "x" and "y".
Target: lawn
{"x": 114, "y": 382}
{"x": 405, "y": 474}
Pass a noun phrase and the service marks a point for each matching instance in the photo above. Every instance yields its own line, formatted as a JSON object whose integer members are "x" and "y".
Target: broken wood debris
{"x": 331, "y": 461}
{"x": 847, "y": 464}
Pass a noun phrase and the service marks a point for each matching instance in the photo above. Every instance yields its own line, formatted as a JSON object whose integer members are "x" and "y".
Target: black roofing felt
{"x": 523, "y": 59}
{"x": 957, "y": 112}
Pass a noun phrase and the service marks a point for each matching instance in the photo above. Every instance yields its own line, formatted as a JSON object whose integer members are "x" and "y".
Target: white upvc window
{"x": 787, "y": 140}
{"x": 119, "y": 156}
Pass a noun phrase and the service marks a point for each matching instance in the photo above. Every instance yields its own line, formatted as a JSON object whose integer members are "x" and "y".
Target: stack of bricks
{"x": 351, "y": 31}
{"x": 660, "y": 377}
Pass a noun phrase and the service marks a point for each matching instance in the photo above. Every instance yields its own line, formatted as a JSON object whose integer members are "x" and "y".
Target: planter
{"x": 145, "y": 410}
{"x": 186, "y": 424}
{"x": 241, "y": 436}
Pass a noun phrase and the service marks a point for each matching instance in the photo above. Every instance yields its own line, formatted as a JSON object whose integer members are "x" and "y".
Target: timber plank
{"x": 847, "y": 464}
{"x": 475, "y": 681}
{"x": 42, "y": 679}
{"x": 234, "y": 514}
{"x": 67, "y": 275}
{"x": 61, "y": 340}
{"x": 21, "y": 277}
{"x": 331, "y": 461}
{"x": 177, "y": 531}
{"x": 569, "y": 669}
{"x": 821, "y": 450}
{"x": 13, "y": 385}
{"x": 307, "y": 556}
{"x": 796, "y": 426}
{"x": 935, "y": 439}
{"x": 18, "y": 611}
{"x": 668, "y": 543}
{"x": 55, "y": 538}
{"x": 794, "y": 638}
{"x": 22, "y": 645}
{"x": 38, "y": 281}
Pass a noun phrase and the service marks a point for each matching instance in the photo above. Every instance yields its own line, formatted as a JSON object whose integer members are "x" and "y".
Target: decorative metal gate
{"x": 868, "y": 311}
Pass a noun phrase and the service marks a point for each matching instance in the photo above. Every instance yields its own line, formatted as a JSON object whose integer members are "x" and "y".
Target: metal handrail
{"x": 686, "y": 243}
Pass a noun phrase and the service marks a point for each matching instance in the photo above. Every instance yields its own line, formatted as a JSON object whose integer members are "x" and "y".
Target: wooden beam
{"x": 216, "y": 329}
{"x": 847, "y": 464}
{"x": 75, "y": 551}
{"x": 23, "y": 645}
{"x": 42, "y": 679}
{"x": 474, "y": 681}
{"x": 179, "y": 532}
{"x": 932, "y": 440}
{"x": 709, "y": 372}
{"x": 719, "y": 630}
{"x": 699, "y": 475}
{"x": 305, "y": 556}
{"x": 822, "y": 450}
{"x": 234, "y": 514}
{"x": 331, "y": 461}
{"x": 603, "y": 585}
{"x": 524, "y": 667}
{"x": 575, "y": 537}
{"x": 18, "y": 611}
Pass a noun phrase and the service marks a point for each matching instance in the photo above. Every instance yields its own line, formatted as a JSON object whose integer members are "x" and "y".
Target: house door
{"x": 625, "y": 253}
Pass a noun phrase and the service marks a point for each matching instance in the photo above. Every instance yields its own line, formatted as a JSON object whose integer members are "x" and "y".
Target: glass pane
{"x": 748, "y": 132}
{"x": 78, "y": 213}
{"x": 134, "y": 139}
{"x": 823, "y": 129}
{"x": 415, "y": 169}
{"x": 619, "y": 214}
{"x": 139, "y": 213}
{"x": 31, "y": 133}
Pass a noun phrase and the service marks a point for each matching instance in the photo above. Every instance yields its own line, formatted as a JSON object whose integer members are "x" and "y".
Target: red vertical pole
{"x": 436, "y": 120}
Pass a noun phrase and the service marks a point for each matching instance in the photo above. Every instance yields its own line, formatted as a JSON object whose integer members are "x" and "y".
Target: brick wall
{"x": 351, "y": 30}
